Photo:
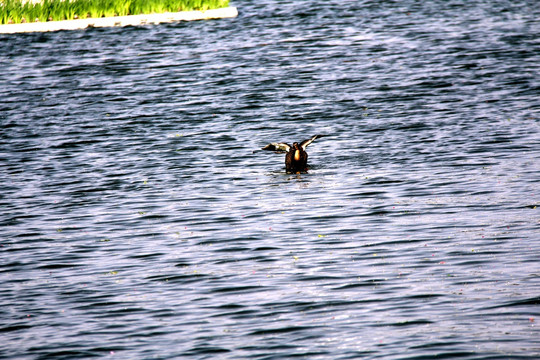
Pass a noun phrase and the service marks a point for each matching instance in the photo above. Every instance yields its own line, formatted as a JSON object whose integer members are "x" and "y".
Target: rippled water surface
{"x": 138, "y": 222}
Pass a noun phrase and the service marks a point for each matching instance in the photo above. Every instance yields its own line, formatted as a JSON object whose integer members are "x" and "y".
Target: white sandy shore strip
{"x": 132, "y": 20}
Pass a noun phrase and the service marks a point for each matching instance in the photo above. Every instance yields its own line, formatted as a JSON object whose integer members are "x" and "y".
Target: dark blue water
{"x": 137, "y": 222}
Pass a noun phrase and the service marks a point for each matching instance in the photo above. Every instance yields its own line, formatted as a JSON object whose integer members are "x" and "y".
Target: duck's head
{"x": 296, "y": 146}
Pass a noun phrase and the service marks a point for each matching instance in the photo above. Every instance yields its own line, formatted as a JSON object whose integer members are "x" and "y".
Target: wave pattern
{"x": 137, "y": 221}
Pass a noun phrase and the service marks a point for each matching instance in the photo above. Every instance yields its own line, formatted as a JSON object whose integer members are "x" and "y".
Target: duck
{"x": 296, "y": 156}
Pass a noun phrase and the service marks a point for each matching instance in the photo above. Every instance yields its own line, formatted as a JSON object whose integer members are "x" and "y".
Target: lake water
{"x": 138, "y": 222}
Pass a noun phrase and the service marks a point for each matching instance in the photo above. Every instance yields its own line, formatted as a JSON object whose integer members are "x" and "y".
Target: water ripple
{"x": 139, "y": 222}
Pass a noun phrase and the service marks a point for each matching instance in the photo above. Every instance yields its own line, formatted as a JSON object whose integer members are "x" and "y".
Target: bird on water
{"x": 296, "y": 157}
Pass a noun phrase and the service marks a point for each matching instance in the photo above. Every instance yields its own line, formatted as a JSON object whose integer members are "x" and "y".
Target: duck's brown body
{"x": 296, "y": 158}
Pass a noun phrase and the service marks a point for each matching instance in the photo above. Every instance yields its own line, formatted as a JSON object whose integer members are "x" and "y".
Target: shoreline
{"x": 129, "y": 20}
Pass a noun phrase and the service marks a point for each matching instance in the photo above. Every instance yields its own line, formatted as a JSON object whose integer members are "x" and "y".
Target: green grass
{"x": 15, "y": 11}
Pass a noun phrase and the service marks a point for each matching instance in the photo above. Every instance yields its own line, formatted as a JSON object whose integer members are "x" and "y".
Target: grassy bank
{"x": 19, "y": 11}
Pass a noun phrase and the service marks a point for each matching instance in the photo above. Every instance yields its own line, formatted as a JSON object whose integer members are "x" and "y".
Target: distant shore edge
{"x": 130, "y": 20}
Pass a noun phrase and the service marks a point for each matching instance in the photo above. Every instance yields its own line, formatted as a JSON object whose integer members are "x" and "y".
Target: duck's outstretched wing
{"x": 277, "y": 147}
{"x": 305, "y": 143}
